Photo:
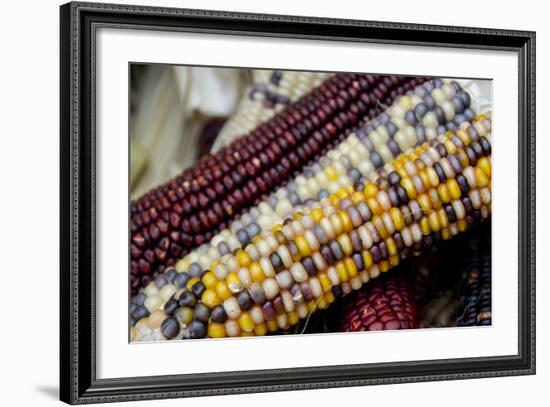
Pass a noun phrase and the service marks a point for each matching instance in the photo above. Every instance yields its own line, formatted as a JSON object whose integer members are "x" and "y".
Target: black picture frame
{"x": 78, "y": 381}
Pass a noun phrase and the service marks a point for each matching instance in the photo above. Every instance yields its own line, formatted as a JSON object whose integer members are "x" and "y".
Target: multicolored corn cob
{"x": 269, "y": 93}
{"x": 359, "y": 155}
{"x": 186, "y": 212}
{"x": 385, "y": 304}
{"x": 330, "y": 248}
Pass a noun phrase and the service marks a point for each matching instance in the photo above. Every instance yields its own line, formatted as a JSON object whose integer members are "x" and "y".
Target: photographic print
{"x": 273, "y": 202}
{"x": 284, "y": 193}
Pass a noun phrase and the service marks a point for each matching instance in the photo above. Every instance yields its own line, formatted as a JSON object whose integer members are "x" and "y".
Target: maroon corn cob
{"x": 383, "y": 304}
{"x": 185, "y": 212}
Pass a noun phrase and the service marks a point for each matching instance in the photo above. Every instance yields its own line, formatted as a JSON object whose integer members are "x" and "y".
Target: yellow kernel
{"x": 243, "y": 258}
{"x": 425, "y": 202}
{"x": 432, "y": 176}
{"x": 302, "y": 245}
{"x": 322, "y": 303}
{"x": 435, "y": 199}
{"x": 450, "y": 146}
{"x": 293, "y": 318}
{"x": 245, "y": 322}
{"x": 443, "y": 219}
{"x": 379, "y": 225}
{"x": 358, "y": 196}
{"x": 480, "y": 116}
{"x": 343, "y": 193}
{"x": 331, "y": 173}
{"x": 334, "y": 200}
{"x": 425, "y": 179}
{"x": 384, "y": 266}
{"x": 248, "y": 334}
{"x": 324, "y": 280}
{"x": 392, "y": 247}
{"x": 485, "y": 164}
{"x": 402, "y": 160}
{"x": 184, "y": 315}
{"x": 345, "y": 242}
{"x": 371, "y": 190}
{"x": 209, "y": 279}
{"x": 462, "y": 225}
{"x": 351, "y": 267}
{"x": 446, "y": 234}
{"x": 464, "y": 136}
{"x": 341, "y": 270}
{"x": 336, "y": 224}
{"x": 329, "y": 297}
{"x": 216, "y": 330}
{"x": 260, "y": 330}
{"x": 463, "y": 158}
{"x": 481, "y": 178}
{"x": 444, "y": 193}
{"x": 402, "y": 172}
{"x": 405, "y": 102}
{"x": 316, "y": 214}
{"x": 346, "y": 220}
{"x": 397, "y": 218}
{"x": 367, "y": 258}
{"x": 272, "y": 325}
{"x": 222, "y": 289}
{"x": 434, "y": 222}
{"x": 374, "y": 206}
{"x": 454, "y": 189}
{"x": 234, "y": 282}
{"x": 256, "y": 272}
{"x": 409, "y": 187}
{"x": 210, "y": 298}
{"x": 425, "y": 226}
{"x": 394, "y": 260}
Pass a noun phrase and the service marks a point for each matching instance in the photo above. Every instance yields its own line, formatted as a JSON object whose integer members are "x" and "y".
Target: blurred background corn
{"x": 329, "y": 249}
{"x": 476, "y": 281}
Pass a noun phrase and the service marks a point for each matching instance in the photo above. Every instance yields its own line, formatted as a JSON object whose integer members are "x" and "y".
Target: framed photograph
{"x": 256, "y": 203}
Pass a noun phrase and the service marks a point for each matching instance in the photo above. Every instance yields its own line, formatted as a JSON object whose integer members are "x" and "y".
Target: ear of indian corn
{"x": 186, "y": 211}
{"x": 329, "y": 249}
{"x": 476, "y": 297}
{"x": 385, "y": 304}
{"x": 399, "y": 128}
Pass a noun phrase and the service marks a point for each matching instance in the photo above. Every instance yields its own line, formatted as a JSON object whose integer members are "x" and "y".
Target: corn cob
{"x": 185, "y": 212}
{"x": 269, "y": 93}
{"x": 329, "y": 249}
{"x": 476, "y": 299}
{"x": 360, "y": 154}
{"x": 386, "y": 304}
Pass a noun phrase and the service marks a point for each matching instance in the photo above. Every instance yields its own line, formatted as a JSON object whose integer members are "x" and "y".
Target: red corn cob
{"x": 383, "y": 304}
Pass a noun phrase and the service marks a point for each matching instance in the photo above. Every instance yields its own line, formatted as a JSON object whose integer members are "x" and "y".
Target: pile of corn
{"x": 187, "y": 211}
{"x": 337, "y": 188}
